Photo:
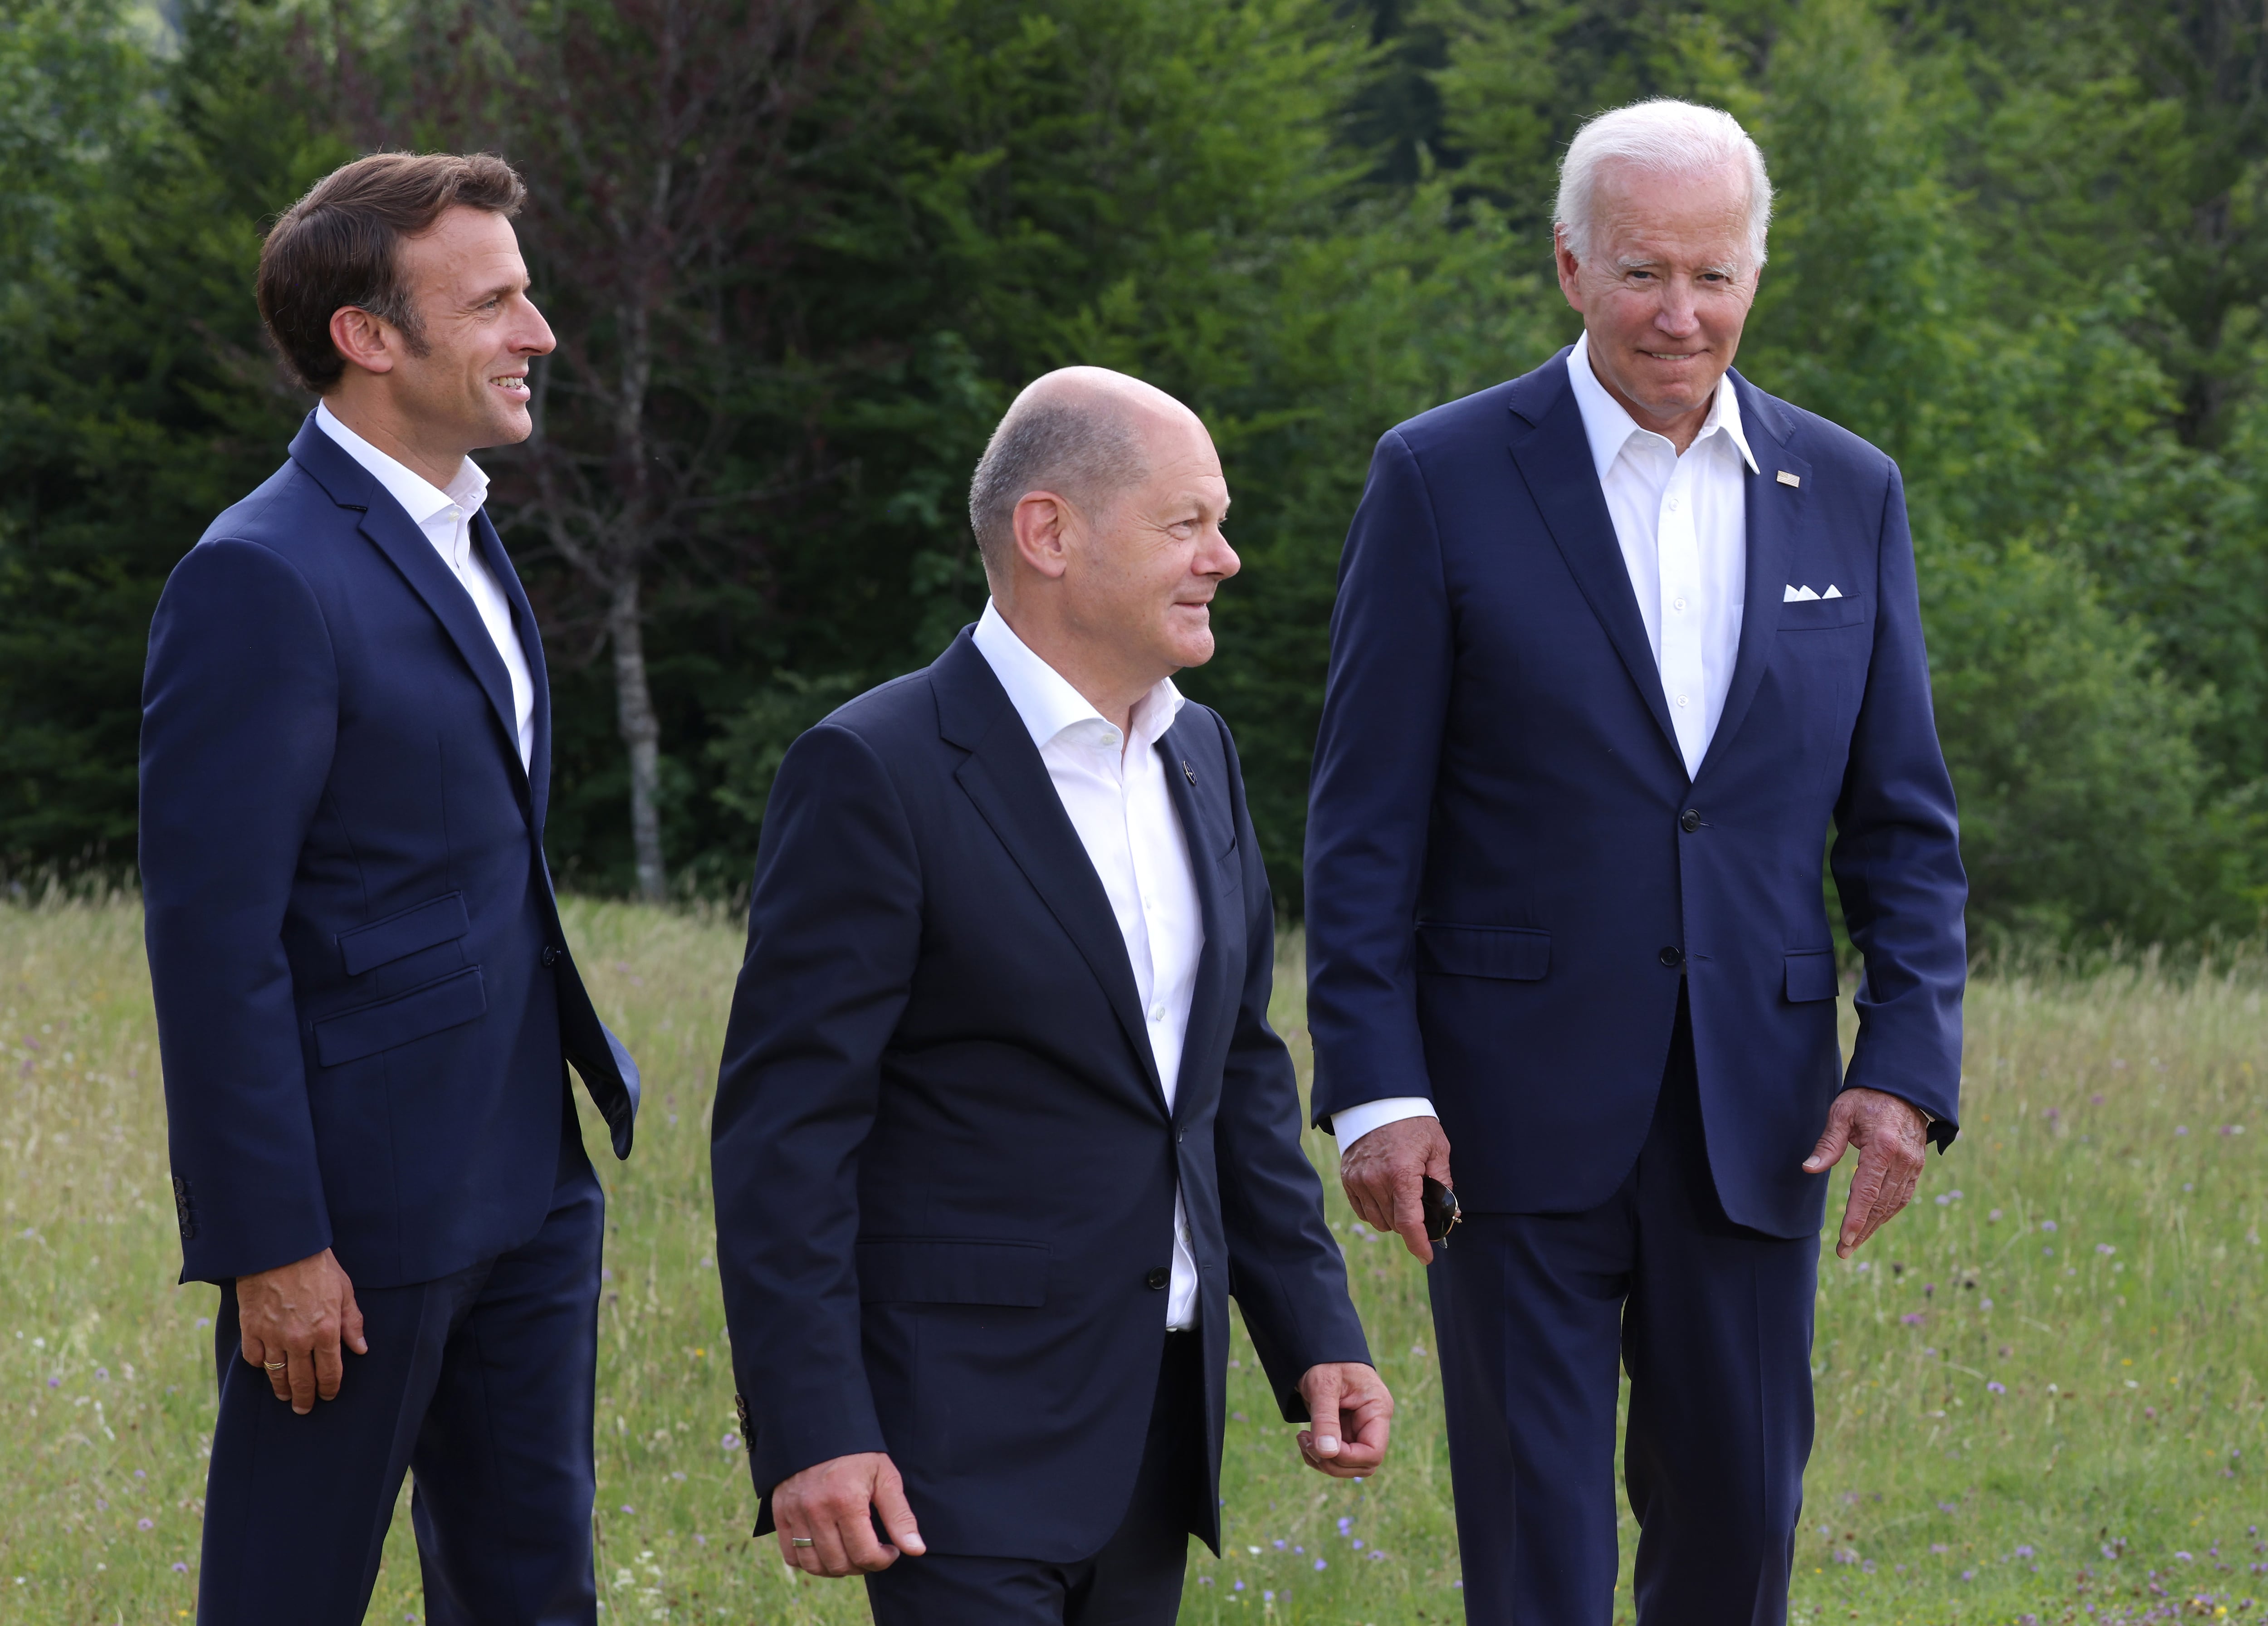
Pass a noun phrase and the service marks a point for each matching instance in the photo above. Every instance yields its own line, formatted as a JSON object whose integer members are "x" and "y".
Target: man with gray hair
{"x": 1616, "y": 644}
{"x": 1001, "y": 1125}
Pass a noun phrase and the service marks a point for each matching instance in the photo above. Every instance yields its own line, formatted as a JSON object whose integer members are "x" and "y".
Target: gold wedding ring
{"x": 799, "y": 1540}
{"x": 275, "y": 1366}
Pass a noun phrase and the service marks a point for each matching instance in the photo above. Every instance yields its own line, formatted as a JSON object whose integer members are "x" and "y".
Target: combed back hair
{"x": 1084, "y": 448}
{"x": 341, "y": 246}
{"x": 1660, "y": 137}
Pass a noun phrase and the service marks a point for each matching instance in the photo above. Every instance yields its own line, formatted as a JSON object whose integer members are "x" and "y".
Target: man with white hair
{"x": 1617, "y": 643}
{"x": 1001, "y": 1126}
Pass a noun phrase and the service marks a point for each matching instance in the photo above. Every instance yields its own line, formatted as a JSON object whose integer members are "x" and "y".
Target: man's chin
{"x": 509, "y": 428}
{"x": 1191, "y": 649}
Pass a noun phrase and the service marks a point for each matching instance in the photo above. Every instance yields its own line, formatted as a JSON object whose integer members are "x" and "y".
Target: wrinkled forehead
{"x": 1696, "y": 218}
{"x": 467, "y": 252}
{"x": 1183, "y": 467}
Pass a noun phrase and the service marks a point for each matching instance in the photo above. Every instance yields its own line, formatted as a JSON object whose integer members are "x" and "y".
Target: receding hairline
{"x": 1118, "y": 395}
{"x": 1085, "y": 434}
{"x": 1668, "y": 138}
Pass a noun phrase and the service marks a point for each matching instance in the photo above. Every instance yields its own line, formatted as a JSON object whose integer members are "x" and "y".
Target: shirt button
{"x": 1682, "y": 700}
{"x": 1673, "y": 505}
{"x": 1679, "y": 607}
{"x": 1157, "y": 1013}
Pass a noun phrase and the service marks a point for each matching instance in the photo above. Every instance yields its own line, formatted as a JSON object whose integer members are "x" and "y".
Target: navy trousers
{"x": 1135, "y": 1580}
{"x": 1534, "y": 1312}
{"x": 479, "y": 1383}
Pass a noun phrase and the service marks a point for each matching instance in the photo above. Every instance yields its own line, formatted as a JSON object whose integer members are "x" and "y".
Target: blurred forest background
{"x": 801, "y": 252}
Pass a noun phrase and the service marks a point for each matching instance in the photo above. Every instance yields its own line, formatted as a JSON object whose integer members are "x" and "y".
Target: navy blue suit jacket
{"x": 364, "y": 995}
{"x": 1509, "y": 869}
{"x": 944, "y": 1167}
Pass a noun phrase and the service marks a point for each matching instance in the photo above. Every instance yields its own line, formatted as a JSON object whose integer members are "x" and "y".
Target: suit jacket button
{"x": 1158, "y": 1278}
{"x": 550, "y": 955}
{"x": 1690, "y": 822}
{"x": 1672, "y": 957}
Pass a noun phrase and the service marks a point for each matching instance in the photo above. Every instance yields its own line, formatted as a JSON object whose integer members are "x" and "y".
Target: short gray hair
{"x": 1085, "y": 448}
{"x": 1660, "y": 137}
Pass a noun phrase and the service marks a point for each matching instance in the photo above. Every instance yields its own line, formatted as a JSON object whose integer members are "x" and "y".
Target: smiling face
{"x": 1665, "y": 290}
{"x": 470, "y": 288}
{"x": 461, "y": 383}
{"x": 1139, "y": 574}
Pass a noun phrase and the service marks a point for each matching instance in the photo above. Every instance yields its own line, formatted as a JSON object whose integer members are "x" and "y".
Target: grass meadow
{"x": 2041, "y": 1392}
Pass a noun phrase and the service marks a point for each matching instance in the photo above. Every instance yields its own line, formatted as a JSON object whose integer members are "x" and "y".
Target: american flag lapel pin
{"x": 1787, "y": 479}
{"x": 1188, "y": 773}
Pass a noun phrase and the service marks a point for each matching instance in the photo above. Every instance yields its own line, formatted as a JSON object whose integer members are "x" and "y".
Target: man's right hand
{"x": 830, "y": 1508}
{"x": 1384, "y": 1173}
{"x": 294, "y": 1319}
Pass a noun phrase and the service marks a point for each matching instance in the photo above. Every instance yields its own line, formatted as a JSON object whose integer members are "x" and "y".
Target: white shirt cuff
{"x": 1352, "y": 1125}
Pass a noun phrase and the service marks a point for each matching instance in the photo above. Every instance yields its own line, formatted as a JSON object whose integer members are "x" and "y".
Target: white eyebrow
{"x": 1642, "y": 264}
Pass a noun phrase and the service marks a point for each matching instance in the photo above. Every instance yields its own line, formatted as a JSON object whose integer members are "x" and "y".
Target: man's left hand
{"x": 1890, "y": 1135}
{"x": 1351, "y": 1415}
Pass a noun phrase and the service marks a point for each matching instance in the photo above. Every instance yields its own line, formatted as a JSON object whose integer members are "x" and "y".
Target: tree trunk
{"x": 641, "y": 733}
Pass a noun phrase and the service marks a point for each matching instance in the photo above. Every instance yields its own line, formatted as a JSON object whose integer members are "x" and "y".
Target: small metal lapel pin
{"x": 1787, "y": 479}
{"x": 1188, "y": 773}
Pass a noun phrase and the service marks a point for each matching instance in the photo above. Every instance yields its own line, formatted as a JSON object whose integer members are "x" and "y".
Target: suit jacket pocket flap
{"x": 1807, "y": 612}
{"x": 1507, "y": 952}
{"x": 1812, "y": 975}
{"x": 427, "y": 1009}
{"x": 913, "y": 1271}
{"x": 442, "y": 921}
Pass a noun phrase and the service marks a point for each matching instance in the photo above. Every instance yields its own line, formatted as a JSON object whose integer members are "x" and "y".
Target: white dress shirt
{"x": 1682, "y": 520}
{"x": 1113, "y": 789}
{"x": 446, "y": 519}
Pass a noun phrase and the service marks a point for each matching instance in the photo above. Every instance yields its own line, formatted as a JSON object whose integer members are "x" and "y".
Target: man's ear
{"x": 1042, "y": 520}
{"x": 1570, "y": 270}
{"x": 367, "y": 342}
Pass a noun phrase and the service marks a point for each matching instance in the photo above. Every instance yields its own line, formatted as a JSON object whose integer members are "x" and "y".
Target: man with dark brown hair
{"x": 365, "y": 1005}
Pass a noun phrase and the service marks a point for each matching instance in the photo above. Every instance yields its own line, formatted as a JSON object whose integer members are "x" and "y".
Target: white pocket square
{"x": 1805, "y": 595}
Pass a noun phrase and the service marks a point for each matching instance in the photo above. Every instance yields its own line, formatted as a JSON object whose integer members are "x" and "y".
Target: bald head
{"x": 1083, "y": 433}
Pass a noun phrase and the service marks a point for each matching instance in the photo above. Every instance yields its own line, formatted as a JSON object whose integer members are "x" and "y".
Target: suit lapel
{"x": 395, "y": 536}
{"x": 1554, "y": 456}
{"x": 1009, "y": 784}
{"x": 531, "y": 645}
{"x": 1775, "y": 514}
{"x": 1196, "y": 778}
